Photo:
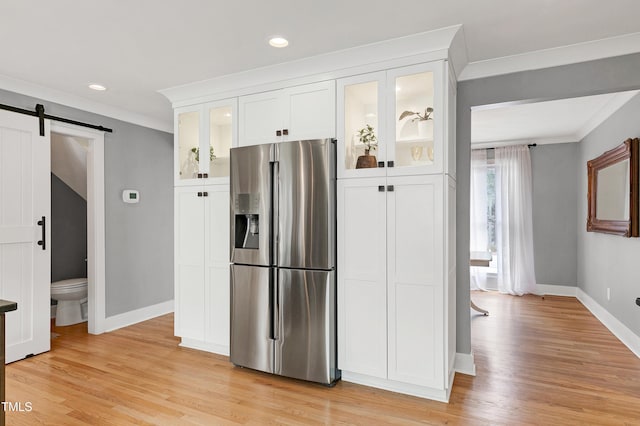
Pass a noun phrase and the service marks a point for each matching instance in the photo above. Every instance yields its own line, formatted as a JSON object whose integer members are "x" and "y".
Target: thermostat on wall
{"x": 130, "y": 196}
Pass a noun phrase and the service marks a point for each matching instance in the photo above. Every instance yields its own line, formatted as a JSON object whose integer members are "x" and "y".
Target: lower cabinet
{"x": 202, "y": 267}
{"x": 396, "y": 297}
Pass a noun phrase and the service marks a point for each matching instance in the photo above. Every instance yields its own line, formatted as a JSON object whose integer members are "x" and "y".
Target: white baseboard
{"x": 556, "y": 290}
{"x": 621, "y": 331}
{"x": 465, "y": 364}
{"x": 129, "y": 318}
{"x": 441, "y": 395}
{"x": 205, "y": 346}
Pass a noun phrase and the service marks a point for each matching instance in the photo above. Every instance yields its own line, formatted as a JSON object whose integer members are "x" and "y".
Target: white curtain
{"x": 514, "y": 223}
{"x": 479, "y": 240}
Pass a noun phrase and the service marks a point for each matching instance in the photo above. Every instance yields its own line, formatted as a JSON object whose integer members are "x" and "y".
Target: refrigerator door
{"x": 251, "y": 205}
{"x": 306, "y": 328}
{"x": 306, "y": 204}
{"x": 252, "y": 319}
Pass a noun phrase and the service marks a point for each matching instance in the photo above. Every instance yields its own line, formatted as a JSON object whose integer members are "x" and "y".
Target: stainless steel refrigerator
{"x": 283, "y": 251}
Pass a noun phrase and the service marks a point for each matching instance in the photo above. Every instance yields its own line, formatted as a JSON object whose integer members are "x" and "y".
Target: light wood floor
{"x": 539, "y": 361}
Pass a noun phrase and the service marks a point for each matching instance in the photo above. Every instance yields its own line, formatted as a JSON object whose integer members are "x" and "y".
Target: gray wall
{"x": 68, "y": 232}
{"x": 555, "y": 202}
{"x": 587, "y": 78}
{"x": 609, "y": 261}
{"x": 139, "y": 237}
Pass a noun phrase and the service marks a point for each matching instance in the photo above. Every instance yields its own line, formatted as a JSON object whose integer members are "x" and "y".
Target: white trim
{"x": 204, "y": 346}
{"x": 465, "y": 364}
{"x": 441, "y": 395}
{"x": 621, "y": 331}
{"x": 95, "y": 222}
{"x": 546, "y": 58}
{"x": 143, "y": 314}
{"x": 556, "y": 290}
{"x": 29, "y": 89}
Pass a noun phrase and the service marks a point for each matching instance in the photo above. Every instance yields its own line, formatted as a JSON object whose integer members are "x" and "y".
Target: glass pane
{"x": 360, "y": 111}
{"x": 220, "y": 135}
{"x": 414, "y": 120}
{"x": 188, "y": 140}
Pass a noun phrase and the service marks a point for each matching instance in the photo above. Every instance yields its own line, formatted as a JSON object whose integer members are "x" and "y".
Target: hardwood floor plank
{"x": 539, "y": 361}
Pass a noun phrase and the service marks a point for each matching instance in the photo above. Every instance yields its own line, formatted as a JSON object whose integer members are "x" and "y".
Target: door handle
{"x": 43, "y": 242}
{"x": 390, "y": 188}
{"x": 380, "y": 188}
{"x": 381, "y": 164}
{"x": 285, "y": 132}
{"x": 278, "y": 132}
{"x": 390, "y": 163}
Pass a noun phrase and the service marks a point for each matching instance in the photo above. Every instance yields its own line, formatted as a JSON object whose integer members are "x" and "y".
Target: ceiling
{"x": 558, "y": 121}
{"x": 136, "y": 48}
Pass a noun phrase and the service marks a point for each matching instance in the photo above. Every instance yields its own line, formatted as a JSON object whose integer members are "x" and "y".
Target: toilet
{"x": 71, "y": 296}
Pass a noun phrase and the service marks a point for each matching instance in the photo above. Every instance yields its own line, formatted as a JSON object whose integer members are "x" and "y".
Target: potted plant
{"x": 422, "y": 119}
{"x": 368, "y": 138}
{"x": 197, "y": 152}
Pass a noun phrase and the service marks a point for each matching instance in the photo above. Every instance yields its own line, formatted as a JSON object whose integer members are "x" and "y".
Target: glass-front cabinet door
{"x": 416, "y": 110}
{"x": 390, "y": 122}
{"x": 204, "y": 135}
{"x": 361, "y": 125}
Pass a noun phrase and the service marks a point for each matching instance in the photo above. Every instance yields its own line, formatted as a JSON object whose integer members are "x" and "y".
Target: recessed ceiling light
{"x": 278, "y": 41}
{"x": 98, "y": 87}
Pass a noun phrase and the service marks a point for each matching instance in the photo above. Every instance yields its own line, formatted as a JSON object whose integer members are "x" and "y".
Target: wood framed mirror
{"x": 613, "y": 191}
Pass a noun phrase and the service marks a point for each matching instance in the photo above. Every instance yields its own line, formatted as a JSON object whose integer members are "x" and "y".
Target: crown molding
{"x": 564, "y": 55}
{"x": 422, "y": 47}
{"x": 52, "y": 95}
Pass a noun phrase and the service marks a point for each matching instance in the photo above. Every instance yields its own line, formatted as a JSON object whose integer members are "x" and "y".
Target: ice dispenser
{"x": 247, "y": 229}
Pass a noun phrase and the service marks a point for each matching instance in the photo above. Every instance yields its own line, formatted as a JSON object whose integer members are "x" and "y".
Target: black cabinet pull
{"x": 199, "y": 194}
{"x": 381, "y": 164}
{"x": 278, "y": 132}
{"x": 285, "y": 132}
{"x": 199, "y": 175}
{"x": 638, "y": 301}
{"x": 205, "y": 175}
{"x": 43, "y": 242}
{"x": 205, "y": 194}
{"x": 390, "y": 163}
{"x": 390, "y": 188}
{"x": 380, "y": 188}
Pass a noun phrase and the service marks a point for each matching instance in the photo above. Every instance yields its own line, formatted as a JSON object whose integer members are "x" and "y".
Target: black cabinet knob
{"x": 278, "y": 132}
{"x": 285, "y": 132}
{"x": 381, "y": 164}
{"x": 380, "y": 188}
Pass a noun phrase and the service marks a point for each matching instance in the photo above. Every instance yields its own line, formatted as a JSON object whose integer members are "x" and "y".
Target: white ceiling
{"x": 136, "y": 48}
{"x": 559, "y": 121}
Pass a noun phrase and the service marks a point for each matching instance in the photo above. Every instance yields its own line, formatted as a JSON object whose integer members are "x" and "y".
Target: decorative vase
{"x": 425, "y": 129}
{"x": 366, "y": 161}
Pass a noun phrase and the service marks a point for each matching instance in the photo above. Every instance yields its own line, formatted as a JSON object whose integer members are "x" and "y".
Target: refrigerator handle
{"x": 275, "y": 214}
{"x": 274, "y": 294}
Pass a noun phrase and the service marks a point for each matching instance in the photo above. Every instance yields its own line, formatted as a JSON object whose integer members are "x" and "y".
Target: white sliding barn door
{"x": 25, "y": 266}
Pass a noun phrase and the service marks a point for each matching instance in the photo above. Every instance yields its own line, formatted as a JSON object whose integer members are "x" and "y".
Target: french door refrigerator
{"x": 283, "y": 251}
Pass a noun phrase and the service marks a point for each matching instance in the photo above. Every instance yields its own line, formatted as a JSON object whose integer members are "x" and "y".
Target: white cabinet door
{"x": 190, "y": 300}
{"x": 25, "y": 265}
{"x": 415, "y": 242}
{"x": 294, "y": 113}
{"x": 216, "y": 252}
{"x": 260, "y": 117}
{"x": 310, "y": 111}
{"x": 362, "y": 320}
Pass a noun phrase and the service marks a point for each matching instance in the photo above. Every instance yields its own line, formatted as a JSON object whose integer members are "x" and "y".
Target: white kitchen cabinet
{"x": 202, "y": 267}
{"x": 405, "y": 147}
{"x": 203, "y": 136}
{"x": 394, "y": 295}
{"x": 294, "y": 113}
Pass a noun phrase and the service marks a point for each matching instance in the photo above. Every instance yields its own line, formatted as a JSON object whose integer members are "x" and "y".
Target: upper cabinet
{"x": 404, "y": 110}
{"x": 295, "y": 113}
{"x": 204, "y": 134}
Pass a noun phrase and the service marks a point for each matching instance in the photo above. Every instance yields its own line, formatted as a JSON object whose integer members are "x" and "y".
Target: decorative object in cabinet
{"x": 403, "y": 104}
{"x": 204, "y": 128}
{"x": 368, "y": 139}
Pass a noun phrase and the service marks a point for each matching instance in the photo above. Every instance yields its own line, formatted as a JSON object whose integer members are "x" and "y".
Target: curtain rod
{"x": 39, "y": 112}
{"x": 531, "y": 145}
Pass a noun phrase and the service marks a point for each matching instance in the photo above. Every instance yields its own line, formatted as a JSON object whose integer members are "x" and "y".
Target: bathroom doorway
{"x": 77, "y": 180}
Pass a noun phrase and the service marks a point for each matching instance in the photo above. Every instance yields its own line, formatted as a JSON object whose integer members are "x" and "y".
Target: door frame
{"x": 95, "y": 222}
